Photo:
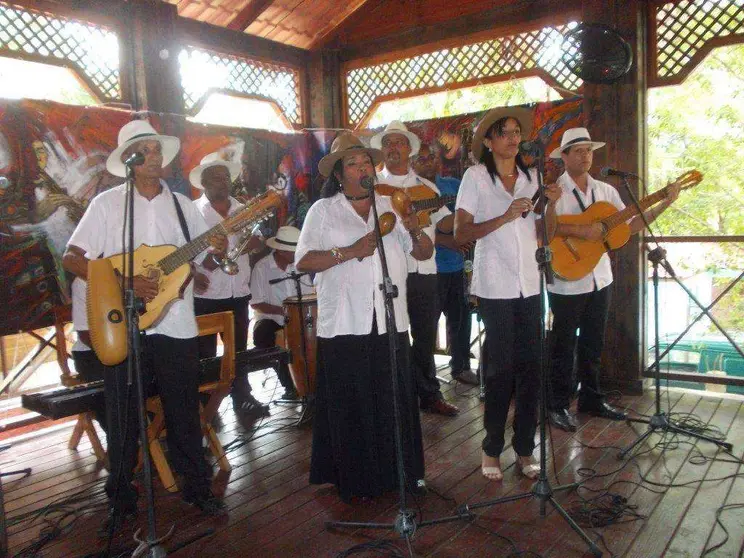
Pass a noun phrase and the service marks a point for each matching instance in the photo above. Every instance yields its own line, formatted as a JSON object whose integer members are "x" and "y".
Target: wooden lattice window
{"x": 682, "y": 33}
{"x": 91, "y": 50}
{"x": 204, "y": 72}
{"x": 530, "y": 53}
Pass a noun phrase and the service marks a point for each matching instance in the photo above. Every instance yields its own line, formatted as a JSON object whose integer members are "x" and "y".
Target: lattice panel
{"x": 202, "y": 71}
{"x": 684, "y": 27}
{"x": 534, "y": 50}
{"x": 92, "y": 49}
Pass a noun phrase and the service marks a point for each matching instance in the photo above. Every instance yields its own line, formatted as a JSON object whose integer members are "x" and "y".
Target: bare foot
{"x": 528, "y": 466}
{"x": 491, "y": 467}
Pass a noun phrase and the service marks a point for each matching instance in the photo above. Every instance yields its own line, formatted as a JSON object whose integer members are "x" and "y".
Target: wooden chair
{"x": 84, "y": 424}
{"x": 209, "y": 324}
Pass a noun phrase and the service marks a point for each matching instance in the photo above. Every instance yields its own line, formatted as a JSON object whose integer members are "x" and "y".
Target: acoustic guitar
{"x": 169, "y": 265}
{"x": 420, "y": 199}
{"x": 574, "y": 258}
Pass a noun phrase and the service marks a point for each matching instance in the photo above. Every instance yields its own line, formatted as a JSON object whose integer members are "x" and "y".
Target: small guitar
{"x": 574, "y": 258}
{"x": 419, "y": 199}
{"x": 170, "y": 265}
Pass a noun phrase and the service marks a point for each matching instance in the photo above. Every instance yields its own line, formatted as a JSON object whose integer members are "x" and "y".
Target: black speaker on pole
{"x": 597, "y": 53}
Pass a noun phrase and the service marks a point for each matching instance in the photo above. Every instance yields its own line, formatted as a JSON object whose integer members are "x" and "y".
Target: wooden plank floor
{"x": 273, "y": 512}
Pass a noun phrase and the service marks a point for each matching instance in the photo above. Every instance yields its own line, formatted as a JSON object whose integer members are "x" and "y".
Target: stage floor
{"x": 273, "y": 512}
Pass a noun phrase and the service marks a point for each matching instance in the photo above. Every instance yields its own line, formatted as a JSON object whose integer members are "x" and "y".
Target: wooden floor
{"x": 275, "y": 513}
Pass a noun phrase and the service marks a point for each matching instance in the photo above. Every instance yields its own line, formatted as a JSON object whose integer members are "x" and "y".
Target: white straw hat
{"x": 212, "y": 160}
{"x": 575, "y": 136}
{"x": 286, "y": 239}
{"x": 397, "y": 127}
{"x": 131, "y": 133}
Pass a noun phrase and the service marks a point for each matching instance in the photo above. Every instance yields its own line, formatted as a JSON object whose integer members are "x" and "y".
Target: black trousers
{"x": 170, "y": 368}
{"x": 423, "y": 311}
{"x": 454, "y": 304}
{"x": 513, "y": 333}
{"x": 208, "y": 343}
{"x": 264, "y": 337}
{"x": 90, "y": 369}
{"x": 577, "y": 358}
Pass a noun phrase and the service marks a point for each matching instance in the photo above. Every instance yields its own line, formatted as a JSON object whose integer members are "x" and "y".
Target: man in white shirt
{"x": 268, "y": 298}
{"x": 583, "y": 304}
{"x": 223, "y": 292}
{"x": 170, "y": 358}
{"x": 398, "y": 145}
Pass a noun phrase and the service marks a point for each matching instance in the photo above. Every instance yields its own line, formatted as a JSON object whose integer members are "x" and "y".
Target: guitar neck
{"x": 433, "y": 203}
{"x": 189, "y": 251}
{"x": 632, "y": 210}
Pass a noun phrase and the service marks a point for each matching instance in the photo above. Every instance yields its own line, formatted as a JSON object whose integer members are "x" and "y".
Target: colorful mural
{"x": 53, "y": 159}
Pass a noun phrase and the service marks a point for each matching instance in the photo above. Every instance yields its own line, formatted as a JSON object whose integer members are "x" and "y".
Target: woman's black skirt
{"x": 354, "y": 426}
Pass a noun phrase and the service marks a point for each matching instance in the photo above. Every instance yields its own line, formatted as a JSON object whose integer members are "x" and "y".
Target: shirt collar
{"x": 565, "y": 179}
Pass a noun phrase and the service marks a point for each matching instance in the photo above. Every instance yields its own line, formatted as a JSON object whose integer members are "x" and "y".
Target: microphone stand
{"x": 151, "y": 545}
{"x": 660, "y": 420}
{"x": 405, "y": 523}
{"x": 308, "y": 400}
{"x": 542, "y": 489}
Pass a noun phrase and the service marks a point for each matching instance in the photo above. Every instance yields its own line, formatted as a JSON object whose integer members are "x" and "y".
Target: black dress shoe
{"x": 207, "y": 502}
{"x": 561, "y": 418}
{"x": 603, "y": 410}
{"x": 116, "y": 520}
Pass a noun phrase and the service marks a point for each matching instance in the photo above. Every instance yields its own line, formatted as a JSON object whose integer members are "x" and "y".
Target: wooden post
{"x": 150, "y": 54}
{"x": 324, "y": 77}
{"x": 616, "y": 114}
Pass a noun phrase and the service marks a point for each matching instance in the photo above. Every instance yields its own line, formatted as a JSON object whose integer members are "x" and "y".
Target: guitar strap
{"x": 181, "y": 218}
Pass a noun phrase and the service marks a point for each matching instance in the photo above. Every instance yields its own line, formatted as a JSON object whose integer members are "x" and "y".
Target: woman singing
{"x": 494, "y": 206}
{"x": 353, "y": 432}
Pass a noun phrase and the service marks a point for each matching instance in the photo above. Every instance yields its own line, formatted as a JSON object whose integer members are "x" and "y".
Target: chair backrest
{"x": 220, "y": 322}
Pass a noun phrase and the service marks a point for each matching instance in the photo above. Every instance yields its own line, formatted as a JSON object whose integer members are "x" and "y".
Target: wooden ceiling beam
{"x": 516, "y": 15}
{"x": 236, "y": 42}
{"x": 329, "y": 31}
{"x": 249, "y": 14}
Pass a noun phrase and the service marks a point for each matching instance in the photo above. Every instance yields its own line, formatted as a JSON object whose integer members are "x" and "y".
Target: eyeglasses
{"x": 509, "y": 134}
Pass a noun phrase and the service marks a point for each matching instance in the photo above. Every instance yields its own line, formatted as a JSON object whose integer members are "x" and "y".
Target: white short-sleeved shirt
{"x": 504, "y": 265}
{"x": 429, "y": 266}
{"x": 349, "y": 294}
{"x": 265, "y": 293}
{"x": 568, "y": 205}
{"x": 99, "y": 234}
{"x": 79, "y": 311}
{"x": 222, "y": 285}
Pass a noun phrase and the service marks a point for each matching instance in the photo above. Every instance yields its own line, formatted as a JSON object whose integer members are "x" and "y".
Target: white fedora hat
{"x": 212, "y": 160}
{"x": 575, "y": 136}
{"x": 286, "y": 239}
{"x": 397, "y": 127}
{"x": 131, "y": 133}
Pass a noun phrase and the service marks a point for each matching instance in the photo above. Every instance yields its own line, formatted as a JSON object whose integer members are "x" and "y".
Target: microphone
{"x": 367, "y": 182}
{"x": 135, "y": 159}
{"x": 532, "y": 147}
{"x": 608, "y": 171}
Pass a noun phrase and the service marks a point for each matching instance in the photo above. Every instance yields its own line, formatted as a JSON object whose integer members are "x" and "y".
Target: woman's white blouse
{"x": 349, "y": 294}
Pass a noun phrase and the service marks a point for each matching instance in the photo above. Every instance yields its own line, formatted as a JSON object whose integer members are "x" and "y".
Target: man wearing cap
{"x": 220, "y": 291}
{"x": 170, "y": 357}
{"x": 268, "y": 298}
{"x": 398, "y": 145}
{"x": 583, "y": 304}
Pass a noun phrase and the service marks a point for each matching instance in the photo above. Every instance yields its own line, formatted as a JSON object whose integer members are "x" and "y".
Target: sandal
{"x": 530, "y": 470}
{"x": 489, "y": 471}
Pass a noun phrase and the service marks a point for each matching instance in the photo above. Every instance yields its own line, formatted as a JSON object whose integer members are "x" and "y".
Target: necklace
{"x": 357, "y": 198}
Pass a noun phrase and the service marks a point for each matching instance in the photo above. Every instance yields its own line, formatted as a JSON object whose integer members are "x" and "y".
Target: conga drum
{"x": 299, "y": 318}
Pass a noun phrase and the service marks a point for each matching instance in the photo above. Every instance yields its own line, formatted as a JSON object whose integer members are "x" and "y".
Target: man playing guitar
{"x": 583, "y": 304}
{"x": 169, "y": 348}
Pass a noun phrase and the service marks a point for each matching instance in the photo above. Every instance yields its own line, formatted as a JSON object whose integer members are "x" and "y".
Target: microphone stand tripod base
{"x": 152, "y": 549}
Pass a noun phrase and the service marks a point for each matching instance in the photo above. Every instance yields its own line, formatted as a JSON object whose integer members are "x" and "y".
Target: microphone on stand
{"x": 532, "y": 147}
{"x": 135, "y": 159}
{"x": 367, "y": 182}
{"x": 608, "y": 171}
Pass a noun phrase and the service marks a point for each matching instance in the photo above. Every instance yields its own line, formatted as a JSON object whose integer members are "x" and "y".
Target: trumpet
{"x": 229, "y": 263}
